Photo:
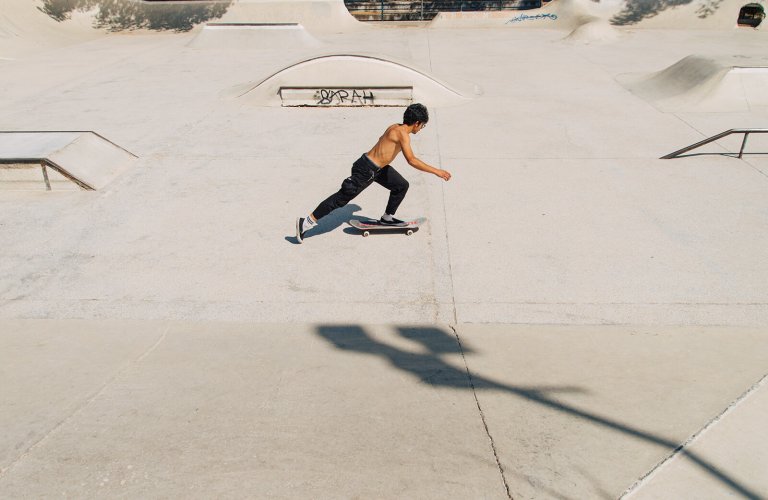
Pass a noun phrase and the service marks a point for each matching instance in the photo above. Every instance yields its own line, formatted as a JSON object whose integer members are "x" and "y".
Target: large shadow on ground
{"x": 126, "y": 15}
{"x": 429, "y": 367}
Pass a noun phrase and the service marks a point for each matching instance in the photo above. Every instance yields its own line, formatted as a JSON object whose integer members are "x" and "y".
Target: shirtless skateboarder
{"x": 374, "y": 166}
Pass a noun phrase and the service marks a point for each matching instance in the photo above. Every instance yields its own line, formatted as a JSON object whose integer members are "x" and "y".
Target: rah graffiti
{"x": 524, "y": 17}
{"x": 327, "y": 97}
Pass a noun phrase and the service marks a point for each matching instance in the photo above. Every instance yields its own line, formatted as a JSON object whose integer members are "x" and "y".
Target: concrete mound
{"x": 348, "y": 75}
{"x": 698, "y": 83}
{"x": 321, "y": 16}
{"x": 253, "y": 36}
{"x": 594, "y": 31}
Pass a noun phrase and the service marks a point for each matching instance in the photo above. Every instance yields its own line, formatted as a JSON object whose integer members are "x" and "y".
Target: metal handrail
{"x": 745, "y": 131}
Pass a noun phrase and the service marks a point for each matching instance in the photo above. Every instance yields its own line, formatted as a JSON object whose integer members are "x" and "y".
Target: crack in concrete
{"x": 445, "y": 219}
{"x": 482, "y": 415}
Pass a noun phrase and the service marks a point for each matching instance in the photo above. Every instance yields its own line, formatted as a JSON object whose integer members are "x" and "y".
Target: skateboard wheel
{"x": 409, "y": 232}
{"x": 366, "y": 234}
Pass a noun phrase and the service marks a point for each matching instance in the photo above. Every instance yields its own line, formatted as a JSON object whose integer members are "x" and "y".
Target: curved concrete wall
{"x": 31, "y": 25}
{"x": 559, "y": 14}
{"x": 340, "y": 71}
{"x": 571, "y": 14}
{"x": 24, "y": 28}
{"x": 697, "y": 14}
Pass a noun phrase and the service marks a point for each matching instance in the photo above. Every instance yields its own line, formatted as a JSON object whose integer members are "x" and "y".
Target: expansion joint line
{"x": 682, "y": 450}
{"x": 482, "y": 416}
{"x": 445, "y": 220}
{"x": 80, "y": 407}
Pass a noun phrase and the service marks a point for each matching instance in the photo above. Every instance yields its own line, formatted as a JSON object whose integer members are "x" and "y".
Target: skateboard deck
{"x": 370, "y": 225}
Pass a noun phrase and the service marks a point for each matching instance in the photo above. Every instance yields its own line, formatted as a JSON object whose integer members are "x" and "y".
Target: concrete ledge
{"x": 234, "y": 36}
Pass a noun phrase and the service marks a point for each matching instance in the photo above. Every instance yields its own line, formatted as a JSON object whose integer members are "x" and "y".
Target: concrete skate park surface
{"x": 577, "y": 318}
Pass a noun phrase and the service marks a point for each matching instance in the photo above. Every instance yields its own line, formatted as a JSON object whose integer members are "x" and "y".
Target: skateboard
{"x": 370, "y": 225}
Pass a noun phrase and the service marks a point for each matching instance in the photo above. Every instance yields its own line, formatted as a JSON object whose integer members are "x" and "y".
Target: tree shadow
{"x": 330, "y": 222}
{"x": 126, "y": 15}
{"x": 636, "y": 10}
{"x": 429, "y": 367}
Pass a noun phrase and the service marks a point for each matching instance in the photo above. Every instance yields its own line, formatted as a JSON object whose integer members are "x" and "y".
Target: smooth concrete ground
{"x": 559, "y": 210}
{"x": 167, "y": 337}
{"x": 233, "y": 410}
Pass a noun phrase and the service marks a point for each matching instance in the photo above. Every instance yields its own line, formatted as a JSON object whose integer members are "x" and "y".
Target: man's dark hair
{"x": 416, "y": 113}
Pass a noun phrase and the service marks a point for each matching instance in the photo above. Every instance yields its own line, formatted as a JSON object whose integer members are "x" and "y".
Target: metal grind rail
{"x": 745, "y": 131}
{"x": 45, "y": 164}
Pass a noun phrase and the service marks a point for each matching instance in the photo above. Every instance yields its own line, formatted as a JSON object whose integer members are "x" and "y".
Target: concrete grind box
{"x": 44, "y": 160}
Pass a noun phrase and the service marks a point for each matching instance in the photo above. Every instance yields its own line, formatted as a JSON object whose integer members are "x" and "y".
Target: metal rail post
{"x": 743, "y": 143}
{"x": 45, "y": 176}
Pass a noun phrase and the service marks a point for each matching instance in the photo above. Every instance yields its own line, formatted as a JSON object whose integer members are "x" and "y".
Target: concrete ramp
{"x": 322, "y": 16}
{"x": 571, "y": 14}
{"x": 253, "y": 36}
{"x": 84, "y": 158}
{"x": 25, "y": 29}
{"x": 28, "y": 26}
{"x": 585, "y": 21}
{"x": 698, "y": 83}
{"x": 559, "y": 15}
{"x": 360, "y": 79}
{"x": 596, "y": 30}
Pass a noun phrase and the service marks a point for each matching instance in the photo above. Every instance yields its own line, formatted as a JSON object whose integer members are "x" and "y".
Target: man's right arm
{"x": 405, "y": 144}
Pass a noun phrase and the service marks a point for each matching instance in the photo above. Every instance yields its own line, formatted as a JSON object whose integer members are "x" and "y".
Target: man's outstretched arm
{"x": 405, "y": 143}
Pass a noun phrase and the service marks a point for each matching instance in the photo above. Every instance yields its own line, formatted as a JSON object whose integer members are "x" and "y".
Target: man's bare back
{"x": 397, "y": 139}
{"x": 387, "y": 148}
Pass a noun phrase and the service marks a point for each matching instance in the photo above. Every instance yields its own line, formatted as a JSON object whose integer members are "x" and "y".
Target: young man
{"x": 374, "y": 166}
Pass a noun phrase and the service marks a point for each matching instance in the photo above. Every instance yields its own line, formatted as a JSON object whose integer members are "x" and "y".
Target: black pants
{"x": 364, "y": 173}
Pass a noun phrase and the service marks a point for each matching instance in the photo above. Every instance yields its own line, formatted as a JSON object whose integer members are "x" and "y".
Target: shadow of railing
{"x": 429, "y": 367}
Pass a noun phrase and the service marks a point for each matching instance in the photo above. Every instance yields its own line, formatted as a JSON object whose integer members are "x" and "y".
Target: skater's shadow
{"x": 331, "y": 222}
